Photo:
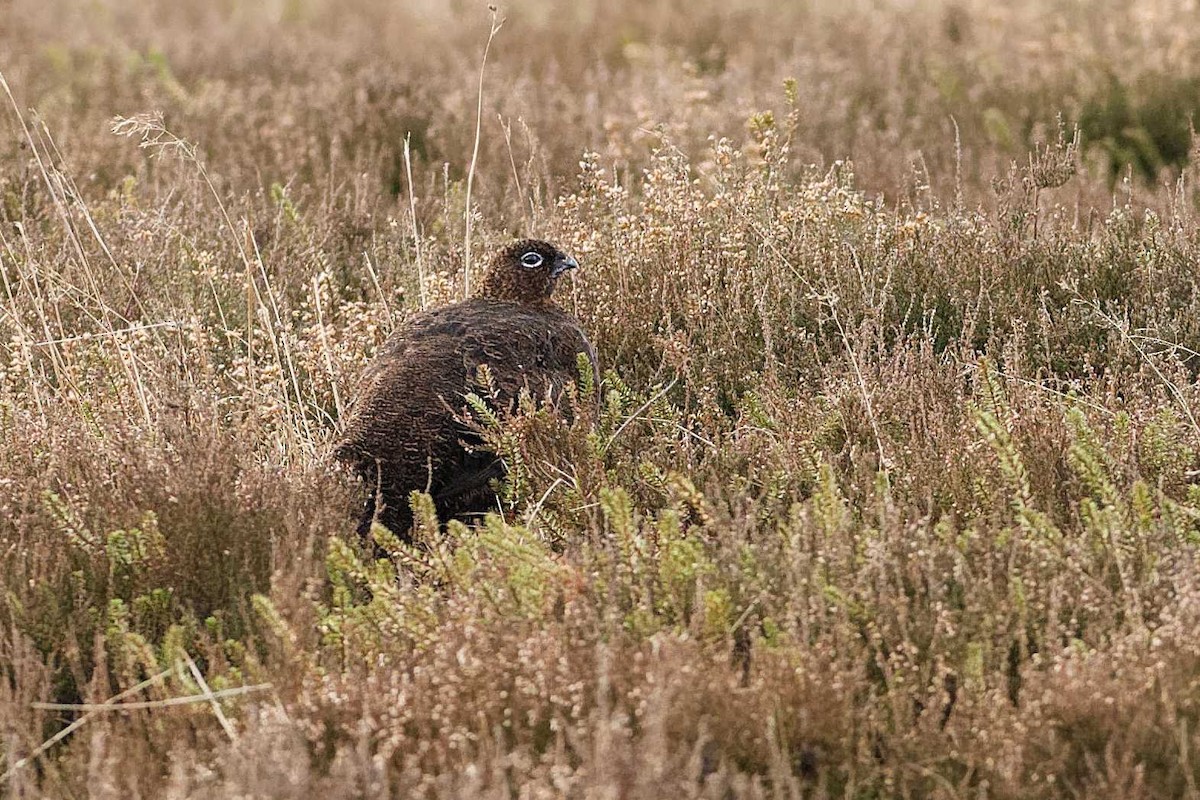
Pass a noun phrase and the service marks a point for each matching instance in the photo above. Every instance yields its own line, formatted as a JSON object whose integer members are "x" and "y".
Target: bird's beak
{"x": 562, "y": 264}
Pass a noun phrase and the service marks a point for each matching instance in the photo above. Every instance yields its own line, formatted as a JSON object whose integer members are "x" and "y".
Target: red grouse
{"x": 404, "y": 431}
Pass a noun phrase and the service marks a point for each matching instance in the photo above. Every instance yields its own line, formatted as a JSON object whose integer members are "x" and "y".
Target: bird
{"x": 403, "y": 431}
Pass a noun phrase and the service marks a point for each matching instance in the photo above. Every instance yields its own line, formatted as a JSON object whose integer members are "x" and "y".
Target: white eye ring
{"x": 531, "y": 259}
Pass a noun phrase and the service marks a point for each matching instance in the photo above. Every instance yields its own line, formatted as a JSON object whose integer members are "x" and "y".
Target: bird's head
{"x": 526, "y": 271}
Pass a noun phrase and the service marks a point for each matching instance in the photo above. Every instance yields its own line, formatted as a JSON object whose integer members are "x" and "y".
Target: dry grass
{"x": 889, "y": 488}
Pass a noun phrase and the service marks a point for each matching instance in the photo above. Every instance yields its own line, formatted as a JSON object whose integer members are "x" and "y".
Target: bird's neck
{"x": 515, "y": 289}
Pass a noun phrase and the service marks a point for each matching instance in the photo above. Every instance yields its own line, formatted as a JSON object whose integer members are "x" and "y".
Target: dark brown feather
{"x": 402, "y": 432}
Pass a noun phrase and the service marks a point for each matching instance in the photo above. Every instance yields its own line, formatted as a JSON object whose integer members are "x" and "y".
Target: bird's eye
{"x": 531, "y": 260}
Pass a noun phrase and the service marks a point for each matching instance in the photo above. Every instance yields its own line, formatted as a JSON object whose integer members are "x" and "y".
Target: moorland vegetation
{"x": 889, "y": 486}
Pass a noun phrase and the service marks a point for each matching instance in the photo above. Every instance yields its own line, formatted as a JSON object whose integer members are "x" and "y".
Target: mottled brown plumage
{"x": 403, "y": 433}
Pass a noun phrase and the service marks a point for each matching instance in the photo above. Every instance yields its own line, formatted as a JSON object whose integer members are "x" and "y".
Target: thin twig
{"x": 374, "y": 273}
{"x": 325, "y": 349}
{"x": 884, "y": 461}
{"x": 412, "y": 211}
{"x": 83, "y": 337}
{"x": 537, "y": 507}
{"x": 744, "y": 615}
{"x": 685, "y": 431}
{"x": 1041, "y": 387}
{"x": 1167, "y": 343}
{"x": 212, "y": 699}
{"x": 661, "y": 393}
{"x": 512, "y": 160}
{"x": 171, "y": 701}
{"x": 1175, "y": 391}
{"x": 475, "y": 155}
{"x": 111, "y": 702}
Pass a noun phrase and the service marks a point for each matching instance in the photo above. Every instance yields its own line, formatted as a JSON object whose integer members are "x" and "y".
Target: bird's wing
{"x": 398, "y": 413}
{"x": 525, "y": 348}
